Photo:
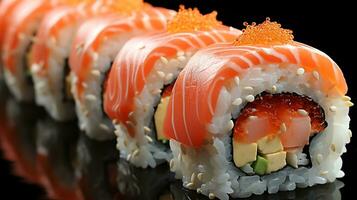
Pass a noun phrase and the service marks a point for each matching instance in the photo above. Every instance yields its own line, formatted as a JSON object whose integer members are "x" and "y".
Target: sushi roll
{"x": 142, "y": 76}
{"x": 50, "y": 53}
{"x": 22, "y": 23}
{"x": 95, "y": 46}
{"x": 6, "y": 7}
{"x": 264, "y": 113}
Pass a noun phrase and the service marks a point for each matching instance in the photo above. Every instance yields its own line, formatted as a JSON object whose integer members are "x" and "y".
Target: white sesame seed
{"x": 249, "y": 98}
{"x": 349, "y": 103}
{"x": 300, "y": 71}
{"x": 319, "y": 158}
{"x": 95, "y": 56}
{"x": 211, "y": 196}
{"x": 333, "y": 108}
{"x": 164, "y": 60}
{"x": 171, "y": 163}
{"x": 104, "y": 127}
{"x": 346, "y": 98}
{"x": 333, "y": 147}
{"x": 283, "y": 127}
{"x": 252, "y": 117}
{"x": 181, "y": 58}
{"x": 236, "y": 80}
{"x": 169, "y": 76}
{"x": 249, "y": 88}
{"x": 157, "y": 91}
{"x": 323, "y": 172}
{"x": 142, "y": 47}
{"x": 180, "y": 53}
{"x": 193, "y": 177}
{"x": 349, "y": 132}
{"x": 189, "y": 185}
{"x": 147, "y": 129}
{"x": 200, "y": 176}
{"x": 161, "y": 74}
{"x": 91, "y": 97}
{"x": 231, "y": 28}
{"x": 273, "y": 88}
{"x": 128, "y": 158}
{"x": 95, "y": 72}
{"x": 316, "y": 75}
{"x": 237, "y": 101}
{"x": 149, "y": 138}
{"x": 230, "y": 125}
{"x": 302, "y": 112}
{"x": 307, "y": 85}
{"x": 136, "y": 152}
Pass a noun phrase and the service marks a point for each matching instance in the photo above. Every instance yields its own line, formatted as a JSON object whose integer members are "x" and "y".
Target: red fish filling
{"x": 294, "y": 117}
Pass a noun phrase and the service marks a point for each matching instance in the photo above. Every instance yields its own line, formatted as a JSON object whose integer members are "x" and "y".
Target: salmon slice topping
{"x": 291, "y": 116}
{"x": 188, "y": 20}
{"x": 266, "y": 33}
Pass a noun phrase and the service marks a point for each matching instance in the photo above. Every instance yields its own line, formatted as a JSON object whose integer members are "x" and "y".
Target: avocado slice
{"x": 269, "y": 144}
{"x": 276, "y": 161}
{"x": 244, "y": 153}
{"x": 260, "y": 165}
{"x": 160, "y": 117}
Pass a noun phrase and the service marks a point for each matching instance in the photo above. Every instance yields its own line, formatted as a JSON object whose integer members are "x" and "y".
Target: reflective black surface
{"x": 52, "y": 160}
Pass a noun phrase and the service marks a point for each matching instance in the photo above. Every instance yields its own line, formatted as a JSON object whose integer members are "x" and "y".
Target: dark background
{"x": 330, "y": 27}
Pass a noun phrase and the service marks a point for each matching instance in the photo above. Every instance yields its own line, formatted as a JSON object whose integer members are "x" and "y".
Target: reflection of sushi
{"x": 290, "y": 116}
{"x": 144, "y": 67}
{"x": 96, "y": 44}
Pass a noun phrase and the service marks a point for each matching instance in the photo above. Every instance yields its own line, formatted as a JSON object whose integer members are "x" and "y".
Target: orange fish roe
{"x": 266, "y": 33}
{"x": 192, "y": 20}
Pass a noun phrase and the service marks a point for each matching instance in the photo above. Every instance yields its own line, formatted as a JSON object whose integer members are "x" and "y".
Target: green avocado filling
{"x": 260, "y": 165}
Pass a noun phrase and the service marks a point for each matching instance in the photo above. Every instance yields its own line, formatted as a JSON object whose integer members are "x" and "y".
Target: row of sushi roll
{"x": 234, "y": 113}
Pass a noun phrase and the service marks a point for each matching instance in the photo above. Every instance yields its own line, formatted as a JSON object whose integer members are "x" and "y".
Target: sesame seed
{"x": 193, "y": 177}
{"x": 180, "y": 53}
{"x": 346, "y": 98}
{"x": 171, "y": 163}
{"x": 181, "y": 58}
{"x": 91, "y": 97}
{"x": 252, "y": 117}
{"x": 332, "y": 108}
{"x": 136, "y": 152}
{"x": 349, "y": 132}
{"x": 302, "y": 112}
{"x": 248, "y": 88}
{"x": 161, "y": 74}
{"x": 236, "y": 80}
{"x": 104, "y": 127}
{"x": 198, "y": 190}
{"x": 114, "y": 121}
{"x": 142, "y": 47}
{"x": 95, "y": 72}
{"x": 249, "y": 98}
{"x": 149, "y": 138}
{"x": 95, "y": 56}
{"x": 147, "y": 129}
{"x": 189, "y": 185}
{"x": 128, "y": 158}
{"x": 230, "y": 125}
{"x": 283, "y": 127}
{"x": 316, "y": 75}
{"x": 300, "y": 71}
{"x": 211, "y": 196}
{"x": 323, "y": 172}
{"x": 349, "y": 104}
{"x": 333, "y": 147}
{"x": 169, "y": 76}
{"x": 164, "y": 60}
{"x": 200, "y": 176}
{"x": 157, "y": 91}
{"x": 237, "y": 101}
{"x": 273, "y": 88}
